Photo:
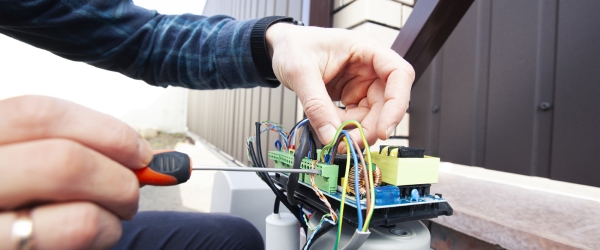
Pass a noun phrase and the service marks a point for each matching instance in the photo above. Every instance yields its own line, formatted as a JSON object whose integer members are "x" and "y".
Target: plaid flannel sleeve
{"x": 181, "y": 50}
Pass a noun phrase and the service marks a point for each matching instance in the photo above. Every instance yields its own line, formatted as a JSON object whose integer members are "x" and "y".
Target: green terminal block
{"x": 326, "y": 181}
{"x": 407, "y": 171}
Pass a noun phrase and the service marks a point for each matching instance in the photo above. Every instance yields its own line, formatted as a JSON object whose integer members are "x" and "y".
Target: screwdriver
{"x": 169, "y": 168}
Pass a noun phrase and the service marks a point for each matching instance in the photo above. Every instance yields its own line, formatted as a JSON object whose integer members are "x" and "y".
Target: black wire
{"x": 295, "y": 127}
{"x": 313, "y": 153}
{"x": 276, "y": 206}
{"x": 277, "y": 192}
{"x": 299, "y": 154}
{"x": 267, "y": 179}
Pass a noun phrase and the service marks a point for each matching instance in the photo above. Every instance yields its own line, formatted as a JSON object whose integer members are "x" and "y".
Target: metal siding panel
{"x": 288, "y": 115}
{"x": 230, "y": 123}
{"x": 482, "y": 73}
{"x": 220, "y": 121}
{"x": 262, "y": 8}
{"x": 576, "y": 136}
{"x": 544, "y": 87}
{"x": 248, "y": 9}
{"x": 275, "y": 108}
{"x": 264, "y": 115}
{"x": 511, "y": 104}
{"x": 228, "y": 126}
{"x": 457, "y": 92}
{"x": 240, "y": 120}
{"x": 255, "y": 116}
{"x": 295, "y": 9}
{"x": 425, "y": 95}
{"x": 254, "y": 8}
{"x": 270, "y": 8}
{"x": 281, "y": 7}
{"x": 234, "y": 122}
{"x": 247, "y": 125}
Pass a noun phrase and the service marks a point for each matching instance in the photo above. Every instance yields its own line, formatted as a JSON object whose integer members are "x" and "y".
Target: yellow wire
{"x": 344, "y": 186}
{"x": 369, "y": 163}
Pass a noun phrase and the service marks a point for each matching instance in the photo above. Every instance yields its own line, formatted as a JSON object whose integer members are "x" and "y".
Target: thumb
{"x": 318, "y": 107}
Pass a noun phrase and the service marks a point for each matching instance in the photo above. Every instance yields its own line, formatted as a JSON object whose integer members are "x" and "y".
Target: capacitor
{"x": 283, "y": 232}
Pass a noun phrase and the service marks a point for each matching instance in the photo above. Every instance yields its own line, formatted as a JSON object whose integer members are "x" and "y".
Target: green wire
{"x": 344, "y": 186}
{"x": 369, "y": 163}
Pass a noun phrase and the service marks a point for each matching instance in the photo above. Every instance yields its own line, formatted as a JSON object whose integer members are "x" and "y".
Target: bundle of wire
{"x": 351, "y": 145}
{"x": 352, "y": 152}
{"x": 316, "y": 231}
{"x": 320, "y": 194}
{"x": 270, "y": 126}
{"x": 257, "y": 160}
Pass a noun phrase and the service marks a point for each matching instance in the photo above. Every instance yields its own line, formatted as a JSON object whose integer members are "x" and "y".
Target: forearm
{"x": 186, "y": 50}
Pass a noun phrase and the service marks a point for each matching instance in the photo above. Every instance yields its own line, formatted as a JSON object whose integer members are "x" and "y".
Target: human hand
{"x": 69, "y": 164}
{"x": 322, "y": 65}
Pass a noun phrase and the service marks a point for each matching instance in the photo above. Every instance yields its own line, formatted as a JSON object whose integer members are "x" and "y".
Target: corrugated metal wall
{"x": 226, "y": 118}
{"x": 515, "y": 88}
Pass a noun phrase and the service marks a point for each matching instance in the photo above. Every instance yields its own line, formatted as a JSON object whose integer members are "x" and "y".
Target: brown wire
{"x": 365, "y": 173}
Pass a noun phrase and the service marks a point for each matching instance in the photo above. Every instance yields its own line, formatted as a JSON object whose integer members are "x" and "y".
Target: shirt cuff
{"x": 234, "y": 54}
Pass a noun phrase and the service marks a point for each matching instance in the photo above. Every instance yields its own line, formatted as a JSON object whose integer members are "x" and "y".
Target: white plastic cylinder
{"x": 283, "y": 232}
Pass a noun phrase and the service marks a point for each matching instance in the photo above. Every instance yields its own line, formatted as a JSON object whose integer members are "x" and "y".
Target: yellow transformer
{"x": 406, "y": 171}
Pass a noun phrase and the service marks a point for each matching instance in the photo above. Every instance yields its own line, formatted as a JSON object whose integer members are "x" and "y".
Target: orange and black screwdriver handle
{"x": 166, "y": 169}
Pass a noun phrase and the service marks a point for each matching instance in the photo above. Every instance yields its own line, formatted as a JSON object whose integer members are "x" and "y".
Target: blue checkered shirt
{"x": 181, "y": 50}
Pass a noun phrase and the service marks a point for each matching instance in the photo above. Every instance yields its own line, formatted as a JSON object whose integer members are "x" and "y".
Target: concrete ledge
{"x": 520, "y": 212}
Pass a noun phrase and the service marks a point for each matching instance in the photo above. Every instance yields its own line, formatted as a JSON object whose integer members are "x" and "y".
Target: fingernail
{"x": 327, "y": 132}
{"x": 390, "y": 130}
{"x": 145, "y": 152}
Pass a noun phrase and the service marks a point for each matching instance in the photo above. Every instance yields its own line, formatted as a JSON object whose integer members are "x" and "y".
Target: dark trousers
{"x": 179, "y": 230}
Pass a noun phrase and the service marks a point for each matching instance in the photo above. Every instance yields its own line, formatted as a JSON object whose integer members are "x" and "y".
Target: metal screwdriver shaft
{"x": 251, "y": 169}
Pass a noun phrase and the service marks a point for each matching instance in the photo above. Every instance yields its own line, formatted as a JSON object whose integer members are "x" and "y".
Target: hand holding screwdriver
{"x": 172, "y": 168}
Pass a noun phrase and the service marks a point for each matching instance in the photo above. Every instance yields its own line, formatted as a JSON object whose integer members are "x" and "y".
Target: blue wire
{"x": 300, "y": 124}
{"x": 356, "y": 188}
{"x": 315, "y": 232}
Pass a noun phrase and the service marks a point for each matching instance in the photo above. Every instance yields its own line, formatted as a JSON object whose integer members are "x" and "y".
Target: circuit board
{"x": 419, "y": 169}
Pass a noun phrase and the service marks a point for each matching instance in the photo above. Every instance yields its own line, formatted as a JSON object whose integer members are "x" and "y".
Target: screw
{"x": 544, "y": 106}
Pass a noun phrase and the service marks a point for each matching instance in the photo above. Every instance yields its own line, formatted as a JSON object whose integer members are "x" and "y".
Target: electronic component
{"x": 400, "y": 171}
{"x": 326, "y": 181}
{"x": 361, "y": 177}
{"x": 387, "y": 195}
{"x": 393, "y": 189}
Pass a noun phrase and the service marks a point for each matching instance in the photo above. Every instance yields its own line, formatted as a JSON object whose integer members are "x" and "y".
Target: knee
{"x": 242, "y": 233}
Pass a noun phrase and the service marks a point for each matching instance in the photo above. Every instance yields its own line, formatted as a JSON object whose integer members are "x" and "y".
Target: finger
{"x": 369, "y": 123}
{"x": 76, "y": 225}
{"x": 38, "y": 117}
{"x": 399, "y": 76}
{"x": 55, "y": 170}
{"x": 353, "y": 113}
{"x": 318, "y": 107}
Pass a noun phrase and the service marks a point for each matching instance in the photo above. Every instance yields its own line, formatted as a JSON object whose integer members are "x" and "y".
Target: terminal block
{"x": 326, "y": 181}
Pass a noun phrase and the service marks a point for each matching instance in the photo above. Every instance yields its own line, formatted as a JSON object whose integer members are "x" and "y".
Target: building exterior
{"x": 515, "y": 87}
